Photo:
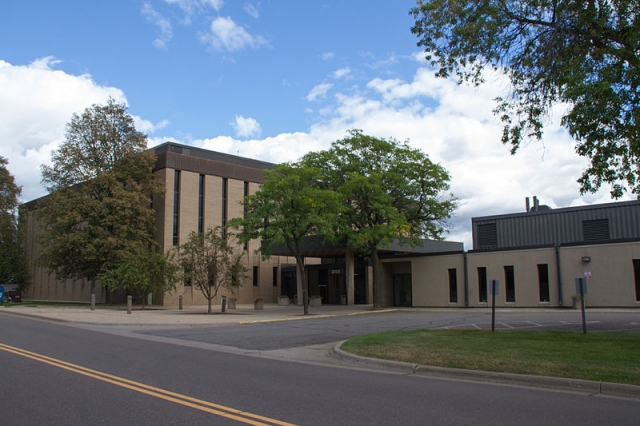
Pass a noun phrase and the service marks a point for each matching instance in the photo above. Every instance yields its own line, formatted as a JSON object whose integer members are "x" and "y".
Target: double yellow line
{"x": 187, "y": 401}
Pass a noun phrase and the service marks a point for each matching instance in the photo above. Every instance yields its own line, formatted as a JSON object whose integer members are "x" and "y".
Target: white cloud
{"x": 163, "y": 24}
{"x": 146, "y": 126}
{"x": 251, "y": 10}
{"x": 37, "y": 102}
{"x": 246, "y": 127}
{"x": 225, "y": 34}
{"x": 191, "y": 7}
{"x": 319, "y": 91}
{"x": 342, "y": 73}
{"x": 328, "y": 56}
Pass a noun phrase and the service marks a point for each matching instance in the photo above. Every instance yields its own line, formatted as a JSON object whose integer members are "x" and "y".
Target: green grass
{"x": 600, "y": 356}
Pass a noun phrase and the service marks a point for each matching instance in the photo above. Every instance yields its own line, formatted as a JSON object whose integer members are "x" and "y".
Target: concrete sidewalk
{"x": 189, "y": 316}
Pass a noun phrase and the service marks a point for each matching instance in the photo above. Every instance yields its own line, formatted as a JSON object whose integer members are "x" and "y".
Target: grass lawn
{"x": 600, "y": 356}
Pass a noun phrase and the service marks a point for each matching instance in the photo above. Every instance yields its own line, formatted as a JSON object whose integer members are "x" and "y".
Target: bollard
{"x": 129, "y": 303}
{"x": 180, "y": 303}
{"x": 224, "y": 304}
{"x": 93, "y": 302}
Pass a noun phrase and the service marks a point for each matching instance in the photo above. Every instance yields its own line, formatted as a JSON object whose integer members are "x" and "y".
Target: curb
{"x": 589, "y": 387}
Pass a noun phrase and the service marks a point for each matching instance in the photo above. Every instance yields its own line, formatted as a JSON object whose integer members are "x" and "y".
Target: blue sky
{"x": 270, "y": 80}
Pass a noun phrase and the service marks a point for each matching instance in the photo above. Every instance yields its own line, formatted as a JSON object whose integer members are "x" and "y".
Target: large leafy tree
{"x": 210, "y": 262}
{"x": 12, "y": 259}
{"x": 584, "y": 54}
{"x": 291, "y": 204}
{"x": 389, "y": 192}
{"x": 99, "y": 210}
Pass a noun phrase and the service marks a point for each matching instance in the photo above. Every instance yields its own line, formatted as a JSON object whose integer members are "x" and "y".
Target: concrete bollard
{"x": 129, "y": 303}
{"x": 180, "y": 303}
{"x": 224, "y": 304}
{"x": 93, "y": 302}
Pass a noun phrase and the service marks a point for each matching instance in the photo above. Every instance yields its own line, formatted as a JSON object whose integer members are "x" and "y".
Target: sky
{"x": 270, "y": 80}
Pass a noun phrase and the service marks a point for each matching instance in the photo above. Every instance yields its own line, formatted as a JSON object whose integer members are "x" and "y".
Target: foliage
{"x": 12, "y": 256}
{"x": 290, "y": 205}
{"x": 584, "y": 55}
{"x": 389, "y": 192}
{"x": 209, "y": 263}
{"x": 143, "y": 271}
{"x": 98, "y": 212}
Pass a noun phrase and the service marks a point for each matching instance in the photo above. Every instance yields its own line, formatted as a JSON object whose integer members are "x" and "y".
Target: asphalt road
{"x": 290, "y": 334}
{"x": 95, "y": 377}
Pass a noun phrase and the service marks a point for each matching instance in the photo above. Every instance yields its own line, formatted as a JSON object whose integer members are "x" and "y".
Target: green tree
{"x": 98, "y": 211}
{"x": 389, "y": 192}
{"x": 290, "y": 205}
{"x": 584, "y": 54}
{"x": 143, "y": 271}
{"x": 209, "y": 262}
{"x": 12, "y": 257}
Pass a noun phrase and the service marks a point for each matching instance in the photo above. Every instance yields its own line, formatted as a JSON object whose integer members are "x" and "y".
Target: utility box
{"x": 12, "y": 293}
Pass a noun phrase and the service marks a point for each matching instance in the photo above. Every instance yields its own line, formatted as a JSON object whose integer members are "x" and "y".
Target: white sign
{"x": 587, "y": 274}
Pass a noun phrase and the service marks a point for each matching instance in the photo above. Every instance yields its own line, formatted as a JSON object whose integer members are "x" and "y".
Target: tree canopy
{"x": 388, "y": 192}
{"x": 209, "y": 262}
{"x": 290, "y": 205}
{"x": 12, "y": 259}
{"x": 99, "y": 210}
{"x": 584, "y": 55}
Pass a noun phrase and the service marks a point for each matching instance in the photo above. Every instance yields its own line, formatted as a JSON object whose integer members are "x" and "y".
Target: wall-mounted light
{"x": 586, "y": 259}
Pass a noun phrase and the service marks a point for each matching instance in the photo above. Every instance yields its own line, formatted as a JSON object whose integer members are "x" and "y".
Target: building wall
{"x": 612, "y": 282}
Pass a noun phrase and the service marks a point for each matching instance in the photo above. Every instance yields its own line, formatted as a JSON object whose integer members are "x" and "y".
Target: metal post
{"x": 584, "y": 318}
{"x": 224, "y": 304}
{"x": 93, "y": 301}
{"x": 180, "y": 302}
{"x": 129, "y": 303}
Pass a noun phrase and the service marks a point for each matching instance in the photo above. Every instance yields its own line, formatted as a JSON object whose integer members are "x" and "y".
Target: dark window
{"x": 225, "y": 210}
{"x": 595, "y": 230}
{"x": 402, "y": 290}
{"x": 488, "y": 235}
{"x": 510, "y": 283}
{"x": 482, "y": 285}
{"x": 453, "y": 286}
{"x": 543, "y": 282}
{"x": 201, "y": 204}
{"x": 255, "y": 276}
{"x": 275, "y": 276}
{"x": 245, "y": 246}
{"x": 176, "y": 206}
{"x": 636, "y": 272}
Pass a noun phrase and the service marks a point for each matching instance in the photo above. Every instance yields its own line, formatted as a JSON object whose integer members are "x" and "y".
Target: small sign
{"x": 494, "y": 287}
{"x": 587, "y": 275}
{"x": 335, "y": 272}
{"x": 1, "y": 294}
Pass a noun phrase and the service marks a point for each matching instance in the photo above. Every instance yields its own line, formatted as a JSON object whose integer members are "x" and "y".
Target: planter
{"x": 575, "y": 302}
{"x": 315, "y": 302}
{"x": 283, "y": 301}
{"x": 231, "y": 303}
{"x": 258, "y": 305}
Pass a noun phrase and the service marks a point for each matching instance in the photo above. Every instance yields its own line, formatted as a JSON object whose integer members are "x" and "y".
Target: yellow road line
{"x": 287, "y": 319}
{"x": 381, "y": 311}
{"x": 187, "y": 401}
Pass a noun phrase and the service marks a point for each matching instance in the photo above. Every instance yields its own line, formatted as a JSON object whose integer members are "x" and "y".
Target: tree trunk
{"x": 377, "y": 285}
{"x": 209, "y": 297}
{"x": 305, "y": 285}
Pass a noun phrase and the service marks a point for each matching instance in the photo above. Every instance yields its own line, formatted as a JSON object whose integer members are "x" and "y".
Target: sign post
{"x": 581, "y": 290}
{"x": 495, "y": 289}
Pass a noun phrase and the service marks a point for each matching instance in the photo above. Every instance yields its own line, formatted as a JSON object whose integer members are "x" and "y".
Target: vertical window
{"x": 246, "y": 192}
{"x": 201, "y": 204}
{"x": 543, "y": 282}
{"x": 482, "y": 285}
{"x": 255, "y": 276}
{"x": 275, "y": 276}
{"x": 453, "y": 286}
{"x": 176, "y": 206}
{"x": 510, "y": 284}
{"x": 636, "y": 272}
{"x": 225, "y": 188}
